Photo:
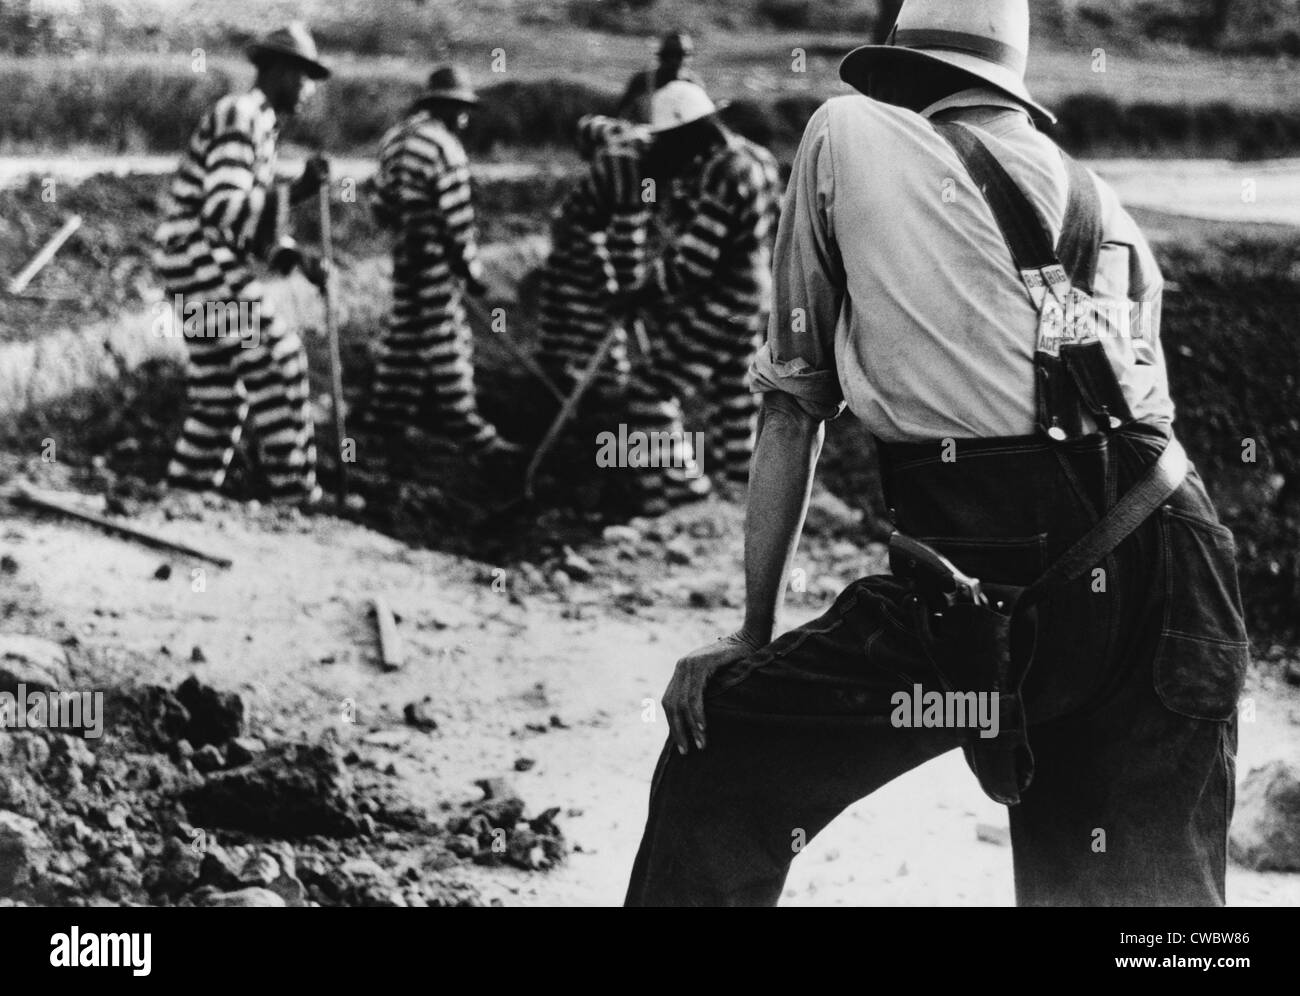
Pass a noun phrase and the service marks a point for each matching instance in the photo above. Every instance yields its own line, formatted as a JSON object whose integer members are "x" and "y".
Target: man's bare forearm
{"x": 780, "y": 484}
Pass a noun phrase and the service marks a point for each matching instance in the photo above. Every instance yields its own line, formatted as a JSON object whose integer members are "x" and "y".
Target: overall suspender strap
{"x": 1071, "y": 370}
{"x": 1081, "y": 369}
{"x": 1072, "y": 373}
{"x": 1080, "y": 244}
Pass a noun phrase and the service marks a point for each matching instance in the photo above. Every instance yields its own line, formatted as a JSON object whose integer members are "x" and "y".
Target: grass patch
{"x": 130, "y": 105}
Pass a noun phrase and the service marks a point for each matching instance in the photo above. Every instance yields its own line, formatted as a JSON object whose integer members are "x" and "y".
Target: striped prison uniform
{"x": 422, "y": 193}
{"x": 715, "y": 277}
{"x": 206, "y": 245}
{"x": 598, "y": 249}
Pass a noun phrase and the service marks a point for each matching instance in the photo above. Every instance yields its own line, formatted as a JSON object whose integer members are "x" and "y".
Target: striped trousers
{"x": 574, "y": 316}
{"x": 696, "y": 354}
{"x": 257, "y": 377}
{"x": 428, "y": 350}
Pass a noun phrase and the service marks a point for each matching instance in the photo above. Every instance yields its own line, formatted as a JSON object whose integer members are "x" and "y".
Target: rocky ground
{"x": 256, "y": 753}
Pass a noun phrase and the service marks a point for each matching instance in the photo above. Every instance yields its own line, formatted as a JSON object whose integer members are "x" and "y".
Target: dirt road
{"x": 1267, "y": 191}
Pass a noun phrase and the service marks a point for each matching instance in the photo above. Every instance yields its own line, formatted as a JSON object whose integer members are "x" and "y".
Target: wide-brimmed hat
{"x": 294, "y": 43}
{"x": 988, "y": 39}
{"x": 450, "y": 83}
{"x": 678, "y": 103}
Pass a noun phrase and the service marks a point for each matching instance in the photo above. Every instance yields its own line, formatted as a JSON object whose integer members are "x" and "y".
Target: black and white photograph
{"x": 650, "y": 453}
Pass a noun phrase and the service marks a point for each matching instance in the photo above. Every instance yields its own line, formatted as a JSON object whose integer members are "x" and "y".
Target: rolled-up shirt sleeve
{"x": 798, "y": 358}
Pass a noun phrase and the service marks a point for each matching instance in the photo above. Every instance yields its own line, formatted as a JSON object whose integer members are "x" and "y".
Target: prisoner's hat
{"x": 680, "y": 102}
{"x": 452, "y": 84}
{"x": 292, "y": 43}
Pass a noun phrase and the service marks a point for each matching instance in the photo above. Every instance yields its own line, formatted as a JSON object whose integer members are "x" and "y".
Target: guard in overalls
{"x": 1061, "y": 587}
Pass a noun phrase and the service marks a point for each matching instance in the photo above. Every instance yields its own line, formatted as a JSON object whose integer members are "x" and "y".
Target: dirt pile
{"x": 177, "y": 804}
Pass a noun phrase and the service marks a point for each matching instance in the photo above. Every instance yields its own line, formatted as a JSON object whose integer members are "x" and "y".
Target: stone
{"x": 252, "y": 896}
{"x": 714, "y": 595}
{"x": 616, "y": 535}
{"x": 176, "y": 871}
{"x": 260, "y": 869}
{"x": 420, "y": 714}
{"x": 25, "y": 852}
{"x": 562, "y": 583}
{"x": 38, "y": 665}
{"x": 243, "y": 750}
{"x": 576, "y": 566}
{"x": 215, "y": 717}
{"x": 208, "y": 759}
{"x": 290, "y": 889}
{"x": 680, "y": 551}
{"x": 524, "y": 763}
{"x": 291, "y": 790}
{"x": 990, "y": 834}
{"x": 495, "y": 788}
{"x": 1265, "y": 834}
{"x": 163, "y": 573}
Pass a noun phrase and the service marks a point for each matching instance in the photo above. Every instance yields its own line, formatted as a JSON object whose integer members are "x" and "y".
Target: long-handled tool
{"x": 19, "y": 283}
{"x": 23, "y": 495}
{"x": 332, "y": 333}
{"x": 570, "y": 407}
{"x": 517, "y": 350}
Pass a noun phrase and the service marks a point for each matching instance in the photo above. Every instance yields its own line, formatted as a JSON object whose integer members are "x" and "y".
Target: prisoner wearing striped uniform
{"x": 598, "y": 249}
{"x": 206, "y": 245}
{"x": 422, "y": 192}
{"x": 716, "y": 274}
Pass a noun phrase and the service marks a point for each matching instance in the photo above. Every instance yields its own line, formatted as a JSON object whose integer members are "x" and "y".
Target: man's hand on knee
{"x": 684, "y": 698}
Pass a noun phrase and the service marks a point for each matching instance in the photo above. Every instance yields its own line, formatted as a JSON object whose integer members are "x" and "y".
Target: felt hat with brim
{"x": 987, "y": 39}
{"x": 292, "y": 43}
{"x": 680, "y": 102}
{"x": 450, "y": 83}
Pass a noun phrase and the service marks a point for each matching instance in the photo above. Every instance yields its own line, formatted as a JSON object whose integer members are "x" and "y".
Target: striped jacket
{"x": 220, "y": 190}
{"x": 722, "y": 224}
{"x": 606, "y": 205}
{"x": 422, "y": 190}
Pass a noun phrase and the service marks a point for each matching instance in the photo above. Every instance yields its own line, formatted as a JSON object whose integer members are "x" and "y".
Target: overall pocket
{"x": 1201, "y": 658}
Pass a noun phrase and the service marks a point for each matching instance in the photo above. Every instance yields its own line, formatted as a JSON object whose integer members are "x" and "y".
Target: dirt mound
{"x": 143, "y": 816}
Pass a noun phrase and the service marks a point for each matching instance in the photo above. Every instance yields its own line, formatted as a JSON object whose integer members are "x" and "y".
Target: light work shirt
{"x": 895, "y": 294}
